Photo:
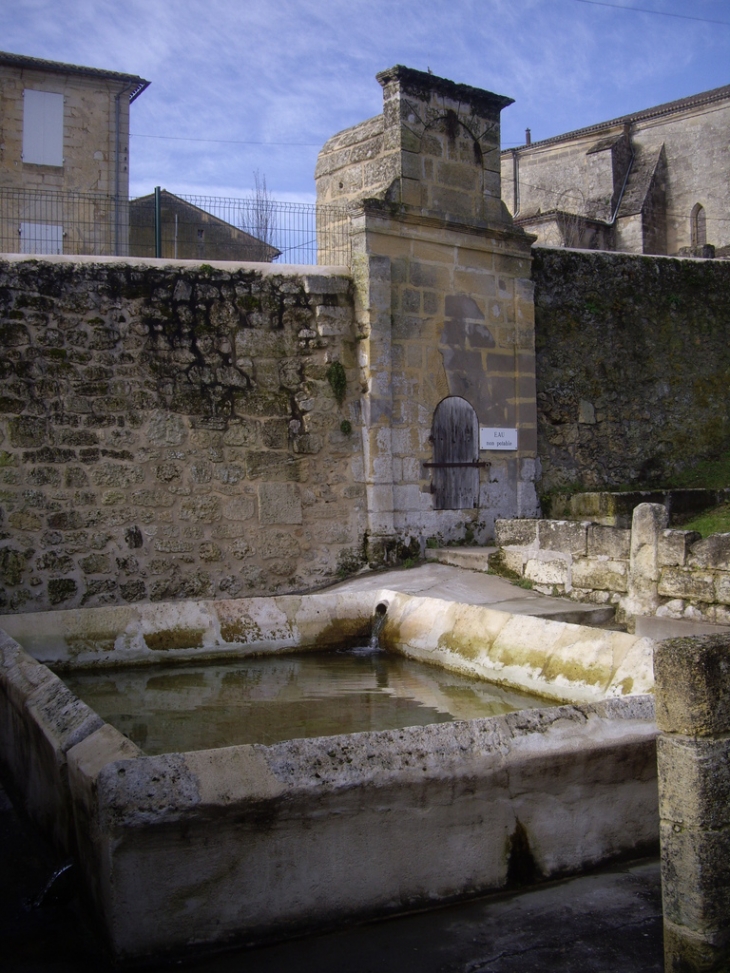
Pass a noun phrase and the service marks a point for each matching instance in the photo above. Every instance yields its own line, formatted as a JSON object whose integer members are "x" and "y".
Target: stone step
{"x": 525, "y": 601}
{"x": 473, "y": 558}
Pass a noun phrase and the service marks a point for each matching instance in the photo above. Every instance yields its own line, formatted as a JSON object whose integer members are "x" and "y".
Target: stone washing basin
{"x": 253, "y": 842}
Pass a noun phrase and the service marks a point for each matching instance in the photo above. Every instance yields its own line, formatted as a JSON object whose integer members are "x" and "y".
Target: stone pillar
{"x": 647, "y": 524}
{"x": 444, "y": 301}
{"x": 692, "y": 677}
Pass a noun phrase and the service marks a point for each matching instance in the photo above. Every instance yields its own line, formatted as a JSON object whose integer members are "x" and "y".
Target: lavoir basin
{"x": 207, "y": 839}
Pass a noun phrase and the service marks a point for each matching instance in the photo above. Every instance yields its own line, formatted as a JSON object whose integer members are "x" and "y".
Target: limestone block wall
{"x": 451, "y": 318}
{"x": 646, "y": 570}
{"x": 435, "y": 146}
{"x": 89, "y": 133}
{"x": 693, "y": 757}
{"x": 172, "y": 431}
{"x": 632, "y": 365}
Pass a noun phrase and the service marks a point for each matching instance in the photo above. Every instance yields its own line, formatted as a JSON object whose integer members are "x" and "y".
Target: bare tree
{"x": 258, "y": 219}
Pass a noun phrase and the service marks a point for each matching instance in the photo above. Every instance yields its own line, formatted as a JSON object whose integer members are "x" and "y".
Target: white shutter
{"x": 41, "y": 238}
{"x": 42, "y": 127}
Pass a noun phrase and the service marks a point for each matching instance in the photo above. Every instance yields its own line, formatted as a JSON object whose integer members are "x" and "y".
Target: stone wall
{"x": 633, "y": 365}
{"x": 647, "y": 570}
{"x": 170, "y": 431}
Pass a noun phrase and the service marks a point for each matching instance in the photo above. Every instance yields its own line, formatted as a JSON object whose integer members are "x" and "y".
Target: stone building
{"x": 444, "y": 311}
{"x": 191, "y": 233}
{"x": 655, "y": 181}
{"x": 64, "y": 165}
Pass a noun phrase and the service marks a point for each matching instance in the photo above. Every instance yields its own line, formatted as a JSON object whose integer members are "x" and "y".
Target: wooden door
{"x": 455, "y": 473}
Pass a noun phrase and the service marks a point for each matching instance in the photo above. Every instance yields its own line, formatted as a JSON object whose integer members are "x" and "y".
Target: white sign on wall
{"x": 491, "y": 438}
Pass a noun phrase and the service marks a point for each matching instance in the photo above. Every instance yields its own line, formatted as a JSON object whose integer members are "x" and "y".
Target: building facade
{"x": 64, "y": 159}
{"x": 656, "y": 181}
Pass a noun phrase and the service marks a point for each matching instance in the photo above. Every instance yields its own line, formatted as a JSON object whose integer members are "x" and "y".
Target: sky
{"x": 246, "y": 86}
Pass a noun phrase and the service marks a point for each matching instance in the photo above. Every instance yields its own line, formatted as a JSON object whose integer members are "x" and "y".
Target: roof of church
{"x": 668, "y": 108}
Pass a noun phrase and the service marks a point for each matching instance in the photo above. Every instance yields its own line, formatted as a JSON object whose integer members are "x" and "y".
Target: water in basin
{"x": 267, "y": 699}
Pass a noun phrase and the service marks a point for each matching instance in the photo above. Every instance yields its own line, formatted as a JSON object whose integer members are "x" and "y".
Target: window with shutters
{"x": 42, "y": 127}
{"x": 455, "y": 469}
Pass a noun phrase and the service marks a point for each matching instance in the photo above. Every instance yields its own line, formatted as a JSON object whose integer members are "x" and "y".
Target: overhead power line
{"x": 185, "y": 138}
{"x": 656, "y": 13}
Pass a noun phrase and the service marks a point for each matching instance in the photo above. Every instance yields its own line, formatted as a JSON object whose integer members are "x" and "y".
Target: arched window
{"x": 698, "y": 226}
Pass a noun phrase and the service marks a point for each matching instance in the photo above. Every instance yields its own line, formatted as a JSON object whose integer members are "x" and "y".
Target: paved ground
{"x": 606, "y": 922}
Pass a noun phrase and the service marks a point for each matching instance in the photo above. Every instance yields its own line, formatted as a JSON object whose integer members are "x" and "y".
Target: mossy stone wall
{"x": 633, "y": 365}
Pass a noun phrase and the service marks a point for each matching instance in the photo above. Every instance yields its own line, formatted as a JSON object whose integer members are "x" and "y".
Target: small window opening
{"x": 698, "y": 224}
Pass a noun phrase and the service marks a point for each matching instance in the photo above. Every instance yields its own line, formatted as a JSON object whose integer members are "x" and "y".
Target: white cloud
{"x": 301, "y": 70}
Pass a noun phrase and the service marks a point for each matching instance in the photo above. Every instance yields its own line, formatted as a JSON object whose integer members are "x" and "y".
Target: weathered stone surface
{"x": 696, "y": 881}
{"x": 684, "y": 949}
{"x": 712, "y": 552}
{"x": 522, "y": 533}
{"x": 722, "y": 587}
{"x": 547, "y": 569}
{"x": 601, "y": 574}
{"x": 674, "y": 547}
{"x": 684, "y": 583}
{"x": 695, "y": 791}
{"x": 562, "y": 535}
{"x": 280, "y": 503}
{"x": 613, "y": 542}
{"x": 693, "y": 685}
{"x": 171, "y": 402}
{"x": 645, "y": 319}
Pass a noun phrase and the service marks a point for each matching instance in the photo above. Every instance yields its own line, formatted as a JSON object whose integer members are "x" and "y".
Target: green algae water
{"x": 177, "y": 708}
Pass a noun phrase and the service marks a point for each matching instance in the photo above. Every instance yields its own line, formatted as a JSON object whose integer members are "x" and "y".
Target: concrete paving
{"x": 468, "y": 583}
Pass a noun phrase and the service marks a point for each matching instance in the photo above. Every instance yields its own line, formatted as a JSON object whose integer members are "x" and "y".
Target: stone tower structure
{"x": 445, "y": 313}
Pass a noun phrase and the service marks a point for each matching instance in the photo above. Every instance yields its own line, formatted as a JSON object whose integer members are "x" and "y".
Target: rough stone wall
{"x": 170, "y": 431}
{"x": 549, "y": 178}
{"x": 695, "y": 144}
{"x": 633, "y": 365}
{"x": 443, "y": 302}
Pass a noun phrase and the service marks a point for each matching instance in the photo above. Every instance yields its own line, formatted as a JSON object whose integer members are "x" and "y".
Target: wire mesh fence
{"x": 207, "y": 228}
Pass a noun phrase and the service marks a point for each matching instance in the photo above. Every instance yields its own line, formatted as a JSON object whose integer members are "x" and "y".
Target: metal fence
{"x": 163, "y": 224}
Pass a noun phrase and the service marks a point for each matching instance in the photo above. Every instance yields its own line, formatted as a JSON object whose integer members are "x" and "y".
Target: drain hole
{"x": 381, "y": 609}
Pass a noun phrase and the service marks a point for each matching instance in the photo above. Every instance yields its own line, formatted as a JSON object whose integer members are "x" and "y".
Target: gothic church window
{"x": 698, "y": 226}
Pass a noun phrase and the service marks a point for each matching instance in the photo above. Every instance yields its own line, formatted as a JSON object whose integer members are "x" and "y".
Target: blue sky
{"x": 245, "y": 85}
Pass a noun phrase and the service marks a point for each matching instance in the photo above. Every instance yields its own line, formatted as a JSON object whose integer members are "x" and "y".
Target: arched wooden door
{"x": 455, "y": 479}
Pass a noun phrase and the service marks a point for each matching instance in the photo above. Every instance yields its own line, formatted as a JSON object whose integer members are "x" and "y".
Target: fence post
{"x": 158, "y": 223}
{"x": 692, "y": 685}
